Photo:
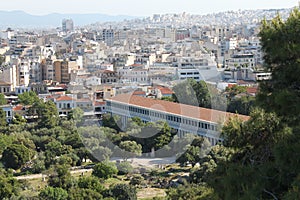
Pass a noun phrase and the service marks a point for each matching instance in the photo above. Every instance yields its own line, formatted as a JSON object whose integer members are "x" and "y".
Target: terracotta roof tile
{"x": 137, "y": 92}
{"x": 18, "y": 108}
{"x": 252, "y": 90}
{"x": 166, "y": 91}
{"x": 64, "y": 98}
{"x": 99, "y": 103}
{"x": 176, "y": 108}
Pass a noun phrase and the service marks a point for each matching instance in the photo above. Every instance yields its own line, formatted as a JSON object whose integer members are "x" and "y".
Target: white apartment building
{"x": 67, "y": 25}
{"x": 189, "y": 72}
{"x": 133, "y": 74}
{"x": 8, "y": 109}
{"x": 241, "y": 60}
{"x": 8, "y": 75}
{"x": 23, "y": 72}
{"x": 64, "y": 104}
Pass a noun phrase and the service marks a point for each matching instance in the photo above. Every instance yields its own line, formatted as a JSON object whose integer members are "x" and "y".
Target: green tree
{"x": 195, "y": 151}
{"x": 281, "y": 45}
{"x": 192, "y": 93}
{"x": 3, "y": 121}
{"x": 113, "y": 122}
{"x": 241, "y": 105}
{"x": 2, "y": 99}
{"x": 5, "y": 141}
{"x": 124, "y": 168}
{"x": 105, "y": 170}
{"x": 28, "y": 98}
{"x": 18, "y": 120}
{"x": 61, "y": 177}
{"x": 76, "y": 114}
{"x": 15, "y": 156}
{"x": 234, "y": 90}
{"x": 84, "y": 194}
{"x": 130, "y": 148}
{"x": 39, "y": 164}
{"x": 171, "y": 99}
{"x": 49, "y": 115}
{"x": 91, "y": 182}
{"x": 123, "y": 192}
{"x": 164, "y": 135}
{"x": 251, "y": 169}
{"x": 136, "y": 180}
{"x": 100, "y": 153}
{"x": 191, "y": 192}
{"x": 9, "y": 186}
{"x": 52, "y": 193}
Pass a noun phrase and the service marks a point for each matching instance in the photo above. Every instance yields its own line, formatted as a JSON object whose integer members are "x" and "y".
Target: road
{"x": 36, "y": 176}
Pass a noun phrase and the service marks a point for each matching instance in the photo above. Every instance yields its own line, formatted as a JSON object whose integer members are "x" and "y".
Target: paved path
{"x": 36, "y": 176}
{"x": 136, "y": 162}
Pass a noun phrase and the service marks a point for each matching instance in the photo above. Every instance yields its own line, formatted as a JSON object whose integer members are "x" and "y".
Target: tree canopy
{"x": 281, "y": 43}
{"x": 28, "y": 98}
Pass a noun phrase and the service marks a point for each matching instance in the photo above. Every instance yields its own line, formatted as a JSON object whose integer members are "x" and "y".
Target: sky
{"x": 140, "y": 7}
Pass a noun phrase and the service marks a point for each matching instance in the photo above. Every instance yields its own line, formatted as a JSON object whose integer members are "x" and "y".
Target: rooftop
{"x": 64, "y": 98}
{"x": 204, "y": 114}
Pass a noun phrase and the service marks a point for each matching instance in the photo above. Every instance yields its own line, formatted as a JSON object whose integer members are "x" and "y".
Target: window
{"x": 213, "y": 127}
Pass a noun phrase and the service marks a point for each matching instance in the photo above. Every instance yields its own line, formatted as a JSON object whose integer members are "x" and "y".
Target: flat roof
{"x": 184, "y": 110}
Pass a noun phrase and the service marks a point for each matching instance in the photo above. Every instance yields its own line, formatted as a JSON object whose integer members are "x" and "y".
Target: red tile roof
{"x": 64, "y": 98}
{"x": 99, "y": 103}
{"x": 251, "y": 90}
{"x": 176, "y": 108}
{"x": 166, "y": 91}
{"x": 137, "y": 92}
{"x": 18, "y": 108}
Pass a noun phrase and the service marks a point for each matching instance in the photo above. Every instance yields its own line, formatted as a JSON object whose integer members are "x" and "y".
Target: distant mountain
{"x": 20, "y": 19}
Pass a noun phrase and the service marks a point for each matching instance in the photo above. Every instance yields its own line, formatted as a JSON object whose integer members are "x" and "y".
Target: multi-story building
{"x": 67, "y": 25}
{"x": 8, "y": 109}
{"x": 5, "y": 88}
{"x": 183, "y": 118}
{"x": 106, "y": 76}
{"x": 8, "y": 77}
{"x": 134, "y": 74}
{"x": 241, "y": 60}
{"x": 47, "y": 67}
{"x": 23, "y": 73}
{"x": 61, "y": 71}
{"x": 108, "y": 36}
{"x": 64, "y": 104}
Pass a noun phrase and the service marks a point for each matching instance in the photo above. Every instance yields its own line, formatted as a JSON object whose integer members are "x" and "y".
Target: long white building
{"x": 184, "y": 118}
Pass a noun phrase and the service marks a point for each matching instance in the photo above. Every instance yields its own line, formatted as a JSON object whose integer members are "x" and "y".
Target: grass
{"x": 150, "y": 193}
{"x": 113, "y": 181}
{"x": 34, "y": 186}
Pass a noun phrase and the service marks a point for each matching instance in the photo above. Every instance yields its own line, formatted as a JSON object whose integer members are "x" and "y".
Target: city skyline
{"x": 136, "y": 8}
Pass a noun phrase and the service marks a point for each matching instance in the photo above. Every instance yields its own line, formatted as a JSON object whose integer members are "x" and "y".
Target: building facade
{"x": 183, "y": 118}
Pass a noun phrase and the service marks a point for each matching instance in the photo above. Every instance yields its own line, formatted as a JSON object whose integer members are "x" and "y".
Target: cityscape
{"x": 165, "y": 106}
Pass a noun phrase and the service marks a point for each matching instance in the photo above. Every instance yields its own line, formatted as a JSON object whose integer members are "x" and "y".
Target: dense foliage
{"x": 259, "y": 159}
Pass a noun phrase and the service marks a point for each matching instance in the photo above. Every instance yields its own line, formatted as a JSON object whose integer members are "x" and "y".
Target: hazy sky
{"x": 140, "y": 7}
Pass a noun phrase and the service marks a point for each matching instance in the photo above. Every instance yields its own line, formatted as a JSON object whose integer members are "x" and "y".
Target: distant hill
{"x": 20, "y": 19}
